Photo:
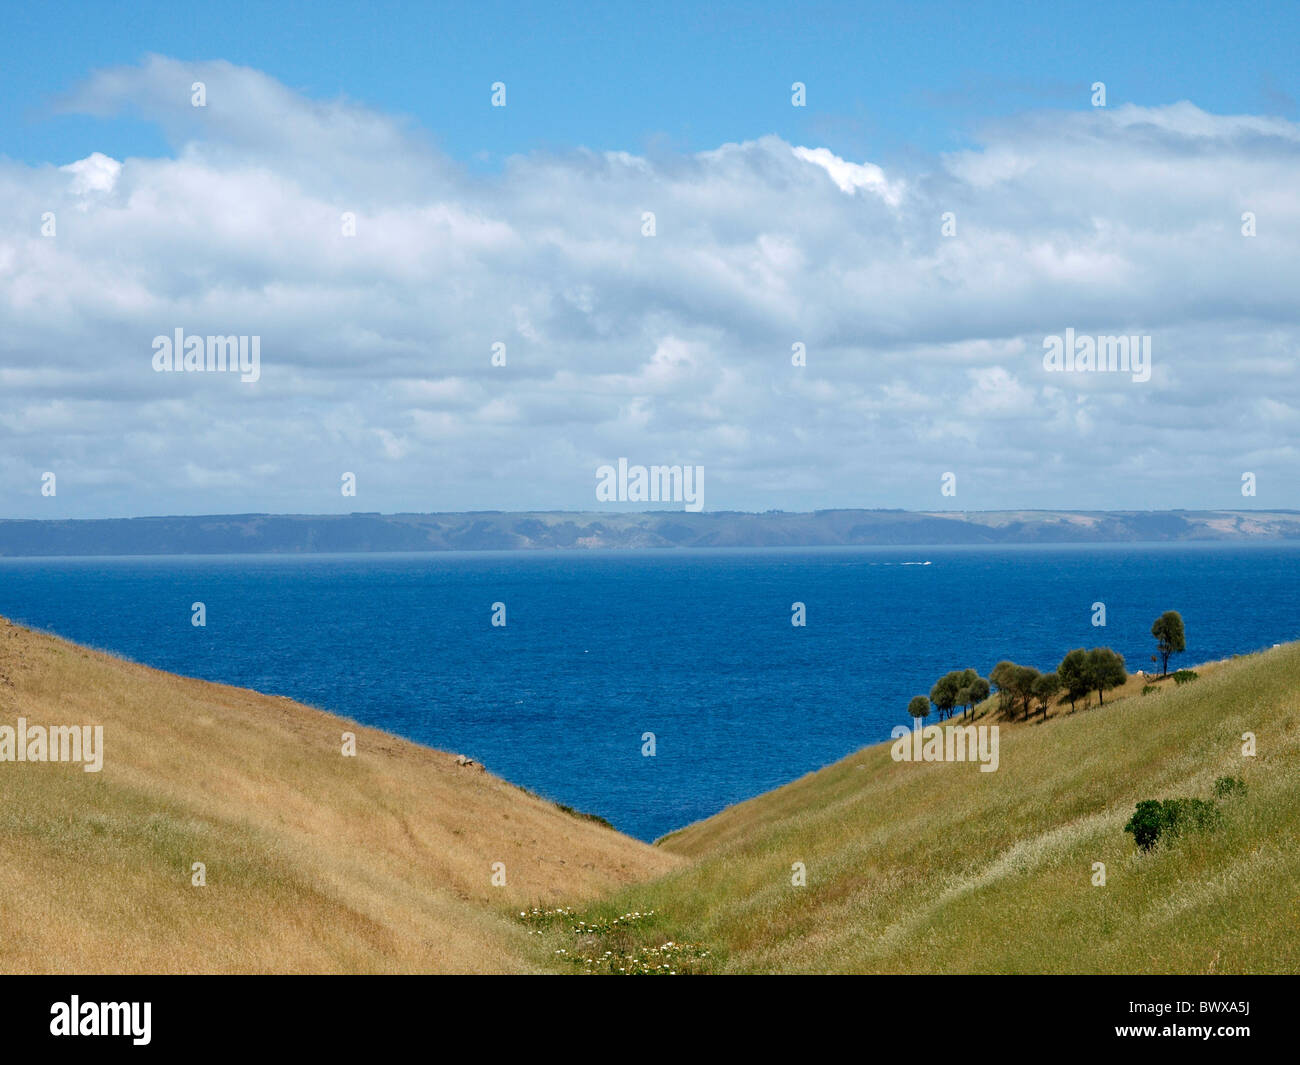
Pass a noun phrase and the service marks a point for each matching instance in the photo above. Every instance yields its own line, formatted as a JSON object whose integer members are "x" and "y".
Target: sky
{"x": 948, "y": 198}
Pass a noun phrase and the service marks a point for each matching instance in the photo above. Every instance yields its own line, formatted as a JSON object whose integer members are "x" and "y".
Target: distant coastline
{"x": 586, "y": 530}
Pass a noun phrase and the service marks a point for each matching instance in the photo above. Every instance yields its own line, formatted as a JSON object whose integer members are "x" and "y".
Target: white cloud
{"x": 924, "y": 351}
{"x": 96, "y": 173}
{"x": 852, "y": 176}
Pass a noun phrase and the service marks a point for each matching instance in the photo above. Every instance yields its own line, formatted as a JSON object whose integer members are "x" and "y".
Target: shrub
{"x": 1229, "y": 788}
{"x": 1195, "y": 815}
{"x": 1146, "y": 823}
{"x": 1147, "y": 689}
{"x": 1154, "y": 819}
{"x": 1185, "y": 676}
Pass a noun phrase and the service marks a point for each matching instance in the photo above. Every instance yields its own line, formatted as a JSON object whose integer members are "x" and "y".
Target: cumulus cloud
{"x": 96, "y": 173}
{"x": 924, "y": 350}
{"x": 850, "y": 177}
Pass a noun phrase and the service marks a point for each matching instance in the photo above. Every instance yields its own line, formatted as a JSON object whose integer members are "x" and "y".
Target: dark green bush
{"x": 1229, "y": 788}
{"x": 1147, "y": 689}
{"x": 1146, "y": 823}
{"x": 1185, "y": 676}
{"x": 1154, "y": 819}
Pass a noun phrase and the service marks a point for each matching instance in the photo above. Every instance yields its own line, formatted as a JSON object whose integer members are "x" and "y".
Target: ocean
{"x": 697, "y": 647}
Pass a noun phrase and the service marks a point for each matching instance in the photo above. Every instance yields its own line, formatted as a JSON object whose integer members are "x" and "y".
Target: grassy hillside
{"x": 941, "y": 868}
{"x": 315, "y": 862}
{"x": 382, "y": 862}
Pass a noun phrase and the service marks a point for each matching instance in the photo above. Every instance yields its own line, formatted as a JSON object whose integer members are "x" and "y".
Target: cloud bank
{"x": 921, "y": 298}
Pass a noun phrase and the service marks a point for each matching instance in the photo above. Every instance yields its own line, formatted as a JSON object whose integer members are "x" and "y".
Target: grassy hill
{"x": 937, "y": 867}
{"x": 315, "y": 862}
{"x": 382, "y": 862}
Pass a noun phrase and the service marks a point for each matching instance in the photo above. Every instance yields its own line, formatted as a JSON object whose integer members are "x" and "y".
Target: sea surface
{"x": 696, "y": 647}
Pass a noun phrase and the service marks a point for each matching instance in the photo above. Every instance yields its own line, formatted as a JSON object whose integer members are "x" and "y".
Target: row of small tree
{"x": 1023, "y": 687}
{"x": 1080, "y": 673}
{"x": 961, "y": 688}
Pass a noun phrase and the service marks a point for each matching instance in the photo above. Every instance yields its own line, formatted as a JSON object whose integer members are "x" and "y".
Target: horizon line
{"x": 628, "y": 512}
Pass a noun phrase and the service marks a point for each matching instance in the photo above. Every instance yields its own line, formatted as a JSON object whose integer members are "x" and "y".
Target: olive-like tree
{"x": 1026, "y": 678}
{"x": 973, "y": 691}
{"x": 944, "y": 693}
{"x": 1107, "y": 670}
{"x": 1046, "y": 688}
{"x": 1075, "y": 674}
{"x": 1003, "y": 678}
{"x": 1170, "y": 638}
{"x": 1015, "y": 684}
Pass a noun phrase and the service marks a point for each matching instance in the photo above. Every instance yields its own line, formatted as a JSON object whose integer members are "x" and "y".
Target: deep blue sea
{"x": 694, "y": 646}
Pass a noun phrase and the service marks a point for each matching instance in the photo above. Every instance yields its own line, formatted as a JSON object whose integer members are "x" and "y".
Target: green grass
{"x": 941, "y": 868}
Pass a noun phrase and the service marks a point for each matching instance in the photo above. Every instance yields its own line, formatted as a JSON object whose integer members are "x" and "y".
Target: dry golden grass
{"x": 315, "y": 862}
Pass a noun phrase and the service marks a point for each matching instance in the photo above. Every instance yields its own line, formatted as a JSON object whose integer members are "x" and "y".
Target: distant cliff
{"x": 498, "y": 530}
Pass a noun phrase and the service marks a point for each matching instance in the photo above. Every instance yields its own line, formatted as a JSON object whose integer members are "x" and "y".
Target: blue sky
{"x": 947, "y": 208}
{"x": 884, "y": 79}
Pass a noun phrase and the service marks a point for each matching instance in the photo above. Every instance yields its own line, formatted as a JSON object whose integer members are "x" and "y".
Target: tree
{"x": 1170, "y": 640}
{"x": 1107, "y": 670}
{"x": 1025, "y": 679}
{"x": 974, "y": 689}
{"x": 944, "y": 693}
{"x": 1075, "y": 674}
{"x": 919, "y": 707}
{"x": 1015, "y": 685}
{"x": 1003, "y": 678}
{"x": 1046, "y": 688}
